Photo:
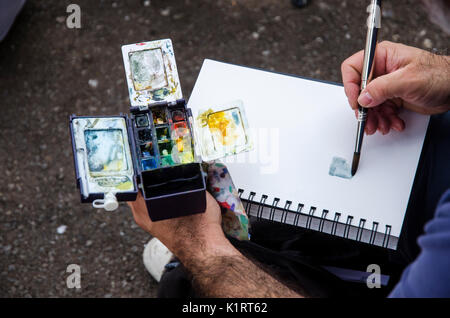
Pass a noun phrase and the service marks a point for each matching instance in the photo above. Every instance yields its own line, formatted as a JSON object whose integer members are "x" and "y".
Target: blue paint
{"x": 147, "y": 149}
{"x": 340, "y": 168}
{"x": 148, "y": 164}
{"x": 160, "y": 94}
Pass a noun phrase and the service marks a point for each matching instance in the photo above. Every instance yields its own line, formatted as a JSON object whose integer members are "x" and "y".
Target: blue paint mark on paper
{"x": 340, "y": 168}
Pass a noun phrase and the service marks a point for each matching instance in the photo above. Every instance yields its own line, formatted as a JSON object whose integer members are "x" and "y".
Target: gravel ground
{"x": 48, "y": 72}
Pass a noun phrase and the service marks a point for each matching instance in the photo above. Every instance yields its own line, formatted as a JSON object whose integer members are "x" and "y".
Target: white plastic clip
{"x": 109, "y": 203}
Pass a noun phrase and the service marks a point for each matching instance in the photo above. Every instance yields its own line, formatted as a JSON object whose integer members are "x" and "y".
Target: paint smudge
{"x": 147, "y": 69}
{"x": 105, "y": 151}
{"x": 340, "y": 168}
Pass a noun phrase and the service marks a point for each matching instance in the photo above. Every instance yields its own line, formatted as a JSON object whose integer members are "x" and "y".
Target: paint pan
{"x": 162, "y": 134}
{"x": 145, "y": 135}
{"x": 182, "y": 152}
{"x": 180, "y": 130}
{"x": 149, "y": 164}
{"x": 180, "y": 125}
{"x": 147, "y": 149}
{"x": 159, "y": 116}
{"x": 165, "y": 148}
{"x": 167, "y": 161}
{"x": 178, "y": 115}
{"x": 142, "y": 121}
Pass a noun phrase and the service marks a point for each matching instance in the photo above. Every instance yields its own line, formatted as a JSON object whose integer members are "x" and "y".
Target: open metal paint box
{"x": 154, "y": 149}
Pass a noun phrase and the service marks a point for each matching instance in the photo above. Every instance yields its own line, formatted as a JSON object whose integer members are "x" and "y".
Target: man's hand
{"x": 217, "y": 268}
{"x": 403, "y": 77}
{"x": 199, "y": 234}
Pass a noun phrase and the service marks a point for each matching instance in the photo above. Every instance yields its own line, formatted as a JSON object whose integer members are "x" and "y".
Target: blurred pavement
{"x": 48, "y": 71}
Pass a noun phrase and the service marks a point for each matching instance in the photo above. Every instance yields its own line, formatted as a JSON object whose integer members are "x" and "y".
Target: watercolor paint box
{"x": 153, "y": 149}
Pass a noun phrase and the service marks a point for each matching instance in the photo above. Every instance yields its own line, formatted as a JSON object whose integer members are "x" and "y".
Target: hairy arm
{"x": 231, "y": 274}
{"x": 217, "y": 268}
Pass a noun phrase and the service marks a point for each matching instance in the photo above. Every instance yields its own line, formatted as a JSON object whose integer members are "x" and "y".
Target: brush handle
{"x": 373, "y": 24}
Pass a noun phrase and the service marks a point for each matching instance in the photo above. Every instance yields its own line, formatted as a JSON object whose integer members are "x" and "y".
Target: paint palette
{"x": 153, "y": 149}
{"x": 166, "y": 139}
{"x": 150, "y": 150}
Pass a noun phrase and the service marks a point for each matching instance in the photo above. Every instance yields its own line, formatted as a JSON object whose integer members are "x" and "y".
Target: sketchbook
{"x": 298, "y": 128}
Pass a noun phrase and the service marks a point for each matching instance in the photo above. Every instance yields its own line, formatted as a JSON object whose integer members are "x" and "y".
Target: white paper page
{"x": 298, "y": 126}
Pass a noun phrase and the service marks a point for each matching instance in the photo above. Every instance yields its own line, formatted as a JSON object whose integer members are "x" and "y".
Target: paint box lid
{"x": 151, "y": 72}
{"x": 103, "y": 156}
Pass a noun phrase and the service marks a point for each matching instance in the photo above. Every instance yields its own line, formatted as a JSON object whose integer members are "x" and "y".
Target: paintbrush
{"x": 373, "y": 24}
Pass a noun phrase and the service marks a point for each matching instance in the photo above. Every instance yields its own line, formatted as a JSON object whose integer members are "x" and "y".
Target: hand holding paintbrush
{"x": 403, "y": 77}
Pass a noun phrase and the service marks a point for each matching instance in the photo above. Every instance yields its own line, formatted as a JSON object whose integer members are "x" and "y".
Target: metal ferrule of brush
{"x": 359, "y": 135}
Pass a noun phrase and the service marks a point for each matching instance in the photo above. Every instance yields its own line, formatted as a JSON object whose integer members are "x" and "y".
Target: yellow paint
{"x": 180, "y": 145}
{"x": 186, "y": 157}
{"x": 116, "y": 165}
{"x": 125, "y": 186}
{"x": 223, "y": 127}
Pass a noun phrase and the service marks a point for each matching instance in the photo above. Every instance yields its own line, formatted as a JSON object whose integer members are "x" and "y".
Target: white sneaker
{"x": 156, "y": 256}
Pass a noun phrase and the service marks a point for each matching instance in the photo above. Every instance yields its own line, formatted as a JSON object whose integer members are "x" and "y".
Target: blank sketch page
{"x": 297, "y": 127}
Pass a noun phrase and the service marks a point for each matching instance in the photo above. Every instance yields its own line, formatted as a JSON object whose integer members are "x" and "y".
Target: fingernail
{"x": 365, "y": 99}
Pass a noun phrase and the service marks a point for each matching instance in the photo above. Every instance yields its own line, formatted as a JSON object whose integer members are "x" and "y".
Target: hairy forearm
{"x": 437, "y": 70}
{"x": 236, "y": 276}
{"x": 230, "y": 274}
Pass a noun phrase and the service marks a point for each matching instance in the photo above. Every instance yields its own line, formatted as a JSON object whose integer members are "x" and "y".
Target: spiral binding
{"x": 317, "y": 220}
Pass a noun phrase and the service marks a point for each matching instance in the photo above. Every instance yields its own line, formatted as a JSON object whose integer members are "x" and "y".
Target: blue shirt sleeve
{"x": 429, "y": 274}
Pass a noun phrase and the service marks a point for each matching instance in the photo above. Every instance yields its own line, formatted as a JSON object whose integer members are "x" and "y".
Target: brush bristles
{"x": 355, "y": 162}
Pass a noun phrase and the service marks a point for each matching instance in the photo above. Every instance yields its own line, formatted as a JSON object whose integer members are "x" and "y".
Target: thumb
{"x": 380, "y": 89}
